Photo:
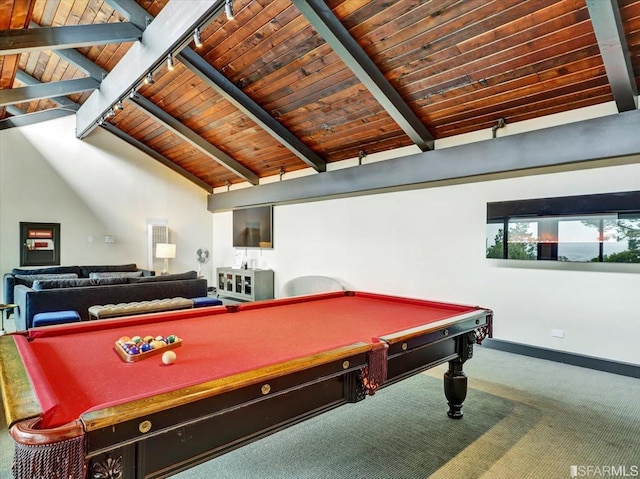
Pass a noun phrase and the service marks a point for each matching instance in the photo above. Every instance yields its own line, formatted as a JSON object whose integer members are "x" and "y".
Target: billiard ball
{"x": 168, "y": 357}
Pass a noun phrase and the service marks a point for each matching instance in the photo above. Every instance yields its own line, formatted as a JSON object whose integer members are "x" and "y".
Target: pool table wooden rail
{"x": 19, "y": 400}
{"x": 121, "y": 413}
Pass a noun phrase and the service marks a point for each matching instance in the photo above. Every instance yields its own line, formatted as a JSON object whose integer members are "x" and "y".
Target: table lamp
{"x": 165, "y": 251}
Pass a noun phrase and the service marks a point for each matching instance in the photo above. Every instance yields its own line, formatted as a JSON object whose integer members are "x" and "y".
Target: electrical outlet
{"x": 557, "y": 333}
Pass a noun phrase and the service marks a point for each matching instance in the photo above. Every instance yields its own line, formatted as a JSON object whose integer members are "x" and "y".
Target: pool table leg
{"x": 455, "y": 388}
{"x": 455, "y": 380}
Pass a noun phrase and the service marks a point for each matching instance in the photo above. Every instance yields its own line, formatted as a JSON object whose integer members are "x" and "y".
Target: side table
{"x": 4, "y": 309}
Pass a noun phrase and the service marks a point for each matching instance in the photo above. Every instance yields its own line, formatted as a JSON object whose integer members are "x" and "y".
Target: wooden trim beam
{"x": 156, "y": 156}
{"x": 190, "y": 136}
{"x": 607, "y": 24}
{"x": 15, "y": 42}
{"x": 169, "y": 32}
{"x": 320, "y": 16}
{"x": 573, "y": 145}
{"x": 47, "y": 90}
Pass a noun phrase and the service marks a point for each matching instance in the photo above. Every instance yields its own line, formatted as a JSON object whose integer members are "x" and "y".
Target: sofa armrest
{"x": 9, "y": 282}
{"x": 21, "y": 298}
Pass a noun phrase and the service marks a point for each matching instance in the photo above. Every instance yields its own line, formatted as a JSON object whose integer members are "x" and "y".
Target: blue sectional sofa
{"x": 47, "y": 293}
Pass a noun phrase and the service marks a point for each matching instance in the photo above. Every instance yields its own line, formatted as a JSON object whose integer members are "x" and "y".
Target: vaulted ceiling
{"x": 281, "y": 85}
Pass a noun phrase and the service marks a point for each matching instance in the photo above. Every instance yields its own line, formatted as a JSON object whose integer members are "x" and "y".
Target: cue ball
{"x": 168, "y": 357}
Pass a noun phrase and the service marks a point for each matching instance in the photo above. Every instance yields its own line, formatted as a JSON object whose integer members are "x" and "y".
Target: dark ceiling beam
{"x": 194, "y": 139}
{"x": 14, "y": 110}
{"x": 246, "y": 105}
{"x": 61, "y": 101}
{"x": 234, "y": 95}
{"x": 133, "y": 12}
{"x": 82, "y": 63}
{"x": 47, "y": 90}
{"x": 15, "y": 42}
{"x": 155, "y": 155}
{"x": 78, "y": 60}
{"x": 169, "y": 32}
{"x": 574, "y": 145}
{"x": 35, "y": 117}
{"x": 607, "y": 24}
{"x": 320, "y": 16}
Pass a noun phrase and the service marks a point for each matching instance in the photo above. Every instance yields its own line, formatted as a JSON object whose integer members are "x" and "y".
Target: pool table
{"x": 75, "y": 406}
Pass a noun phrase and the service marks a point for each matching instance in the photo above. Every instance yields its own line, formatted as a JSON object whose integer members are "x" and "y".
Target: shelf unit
{"x": 245, "y": 284}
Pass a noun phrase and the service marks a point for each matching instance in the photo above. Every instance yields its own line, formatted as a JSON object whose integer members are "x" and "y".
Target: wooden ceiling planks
{"x": 16, "y": 14}
{"x": 459, "y": 64}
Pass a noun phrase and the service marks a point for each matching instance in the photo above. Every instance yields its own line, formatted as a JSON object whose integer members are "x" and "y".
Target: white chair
{"x": 310, "y": 285}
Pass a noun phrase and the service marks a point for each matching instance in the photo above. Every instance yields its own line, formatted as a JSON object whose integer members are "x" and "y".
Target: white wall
{"x": 95, "y": 187}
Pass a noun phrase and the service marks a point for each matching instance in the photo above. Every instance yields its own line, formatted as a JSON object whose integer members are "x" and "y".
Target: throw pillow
{"x": 87, "y": 270}
{"x": 166, "y": 277}
{"x": 48, "y": 270}
{"x": 75, "y": 283}
{"x": 116, "y": 274}
{"x": 28, "y": 279}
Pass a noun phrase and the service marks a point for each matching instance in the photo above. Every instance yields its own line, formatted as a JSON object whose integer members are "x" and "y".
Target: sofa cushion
{"x": 29, "y": 279}
{"x": 50, "y": 270}
{"x": 115, "y": 274}
{"x": 40, "y": 285}
{"x": 87, "y": 270}
{"x": 166, "y": 277}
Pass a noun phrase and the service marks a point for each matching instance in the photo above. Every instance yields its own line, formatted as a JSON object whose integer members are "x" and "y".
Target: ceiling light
{"x": 196, "y": 38}
{"x": 169, "y": 62}
{"x": 111, "y": 113}
{"x": 228, "y": 9}
{"x": 149, "y": 79}
{"x": 132, "y": 93}
{"x": 118, "y": 105}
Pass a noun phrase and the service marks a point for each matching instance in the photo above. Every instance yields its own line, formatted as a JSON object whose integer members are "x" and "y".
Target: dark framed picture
{"x": 39, "y": 244}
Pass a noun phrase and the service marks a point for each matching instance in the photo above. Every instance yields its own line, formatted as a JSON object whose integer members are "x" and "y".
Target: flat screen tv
{"x": 253, "y": 227}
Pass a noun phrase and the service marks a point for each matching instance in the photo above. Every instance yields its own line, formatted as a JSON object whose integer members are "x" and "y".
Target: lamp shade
{"x": 165, "y": 250}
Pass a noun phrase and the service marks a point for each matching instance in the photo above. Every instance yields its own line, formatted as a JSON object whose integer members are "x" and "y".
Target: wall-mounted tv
{"x": 253, "y": 227}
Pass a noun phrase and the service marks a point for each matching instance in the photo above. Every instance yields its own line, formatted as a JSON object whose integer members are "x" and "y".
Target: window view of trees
{"x": 625, "y": 229}
{"x": 598, "y": 238}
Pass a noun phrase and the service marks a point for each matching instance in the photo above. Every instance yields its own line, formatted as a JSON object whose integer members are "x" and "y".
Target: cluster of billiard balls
{"x": 139, "y": 345}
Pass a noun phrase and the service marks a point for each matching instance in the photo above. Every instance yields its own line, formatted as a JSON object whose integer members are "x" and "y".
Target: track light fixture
{"x": 170, "y": 65}
{"x": 118, "y": 105}
{"x": 148, "y": 80}
{"x": 196, "y": 38}
{"x": 228, "y": 9}
{"x": 132, "y": 93}
{"x": 110, "y": 113}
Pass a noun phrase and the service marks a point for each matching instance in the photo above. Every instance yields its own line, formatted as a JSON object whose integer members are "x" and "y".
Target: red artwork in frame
{"x": 39, "y": 244}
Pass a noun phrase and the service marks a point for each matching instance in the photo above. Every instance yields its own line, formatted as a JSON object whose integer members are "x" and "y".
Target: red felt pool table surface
{"x": 75, "y": 369}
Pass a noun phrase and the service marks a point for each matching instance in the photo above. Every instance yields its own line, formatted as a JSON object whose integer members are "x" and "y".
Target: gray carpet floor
{"x": 524, "y": 418}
